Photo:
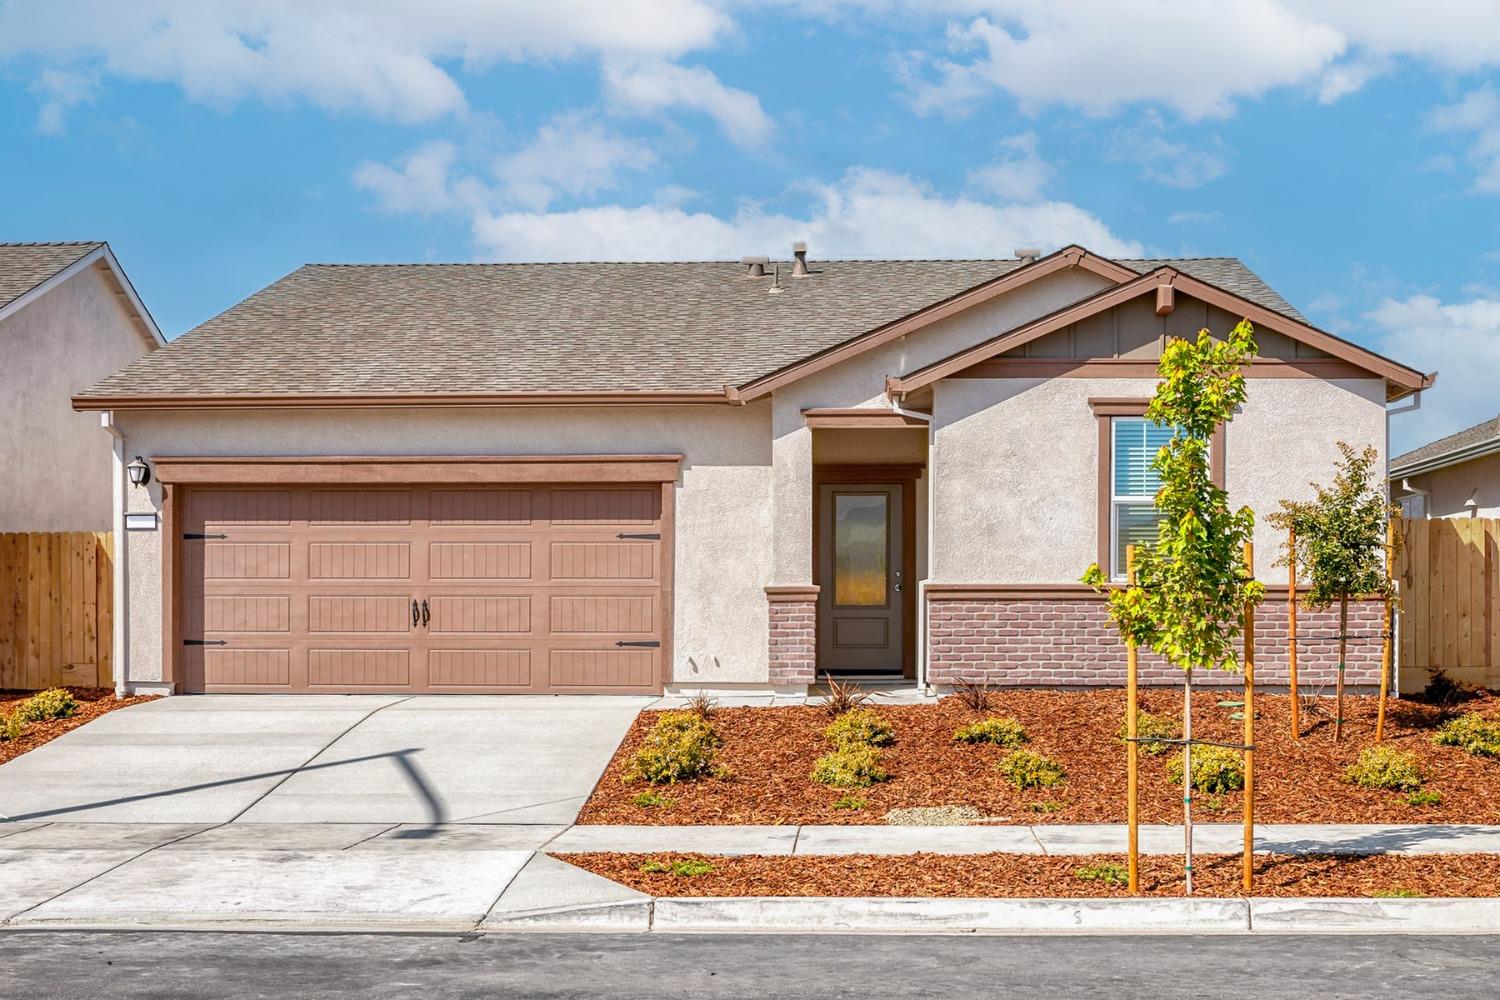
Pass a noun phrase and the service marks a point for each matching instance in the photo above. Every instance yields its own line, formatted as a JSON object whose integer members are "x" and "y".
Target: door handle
{"x": 416, "y": 615}
{"x": 426, "y": 616}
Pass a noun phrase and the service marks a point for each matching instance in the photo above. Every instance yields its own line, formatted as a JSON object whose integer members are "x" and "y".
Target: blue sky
{"x": 1348, "y": 151}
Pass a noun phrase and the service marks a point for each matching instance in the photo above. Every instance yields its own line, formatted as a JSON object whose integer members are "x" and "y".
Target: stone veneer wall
{"x": 793, "y": 618}
{"x": 1025, "y": 641}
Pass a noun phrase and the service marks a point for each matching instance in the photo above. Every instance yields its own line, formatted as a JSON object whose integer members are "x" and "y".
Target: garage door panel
{"x": 602, "y": 668}
{"x": 479, "y": 668}
{"x": 219, "y": 560}
{"x": 595, "y": 613}
{"x": 621, "y": 560}
{"x": 212, "y": 510}
{"x": 587, "y": 507}
{"x": 245, "y": 613}
{"x": 481, "y": 507}
{"x": 358, "y": 613}
{"x": 359, "y": 560}
{"x": 346, "y": 668}
{"x": 480, "y": 613}
{"x": 258, "y": 668}
{"x": 332, "y": 507}
{"x": 479, "y": 560}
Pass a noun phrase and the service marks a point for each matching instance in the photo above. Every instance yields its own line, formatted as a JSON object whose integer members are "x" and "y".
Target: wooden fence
{"x": 56, "y": 609}
{"x": 1446, "y": 574}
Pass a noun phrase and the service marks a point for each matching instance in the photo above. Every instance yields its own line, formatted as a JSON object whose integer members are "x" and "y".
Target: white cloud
{"x": 1176, "y": 164}
{"x": 389, "y": 58}
{"x": 1460, "y": 341}
{"x": 60, "y": 91}
{"x": 570, "y": 155}
{"x": 1020, "y": 174}
{"x": 419, "y": 186}
{"x": 865, "y": 213}
{"x": 1478, "y": 113}
{"x": 654, "y": 86}
{"x": 1195, "y": 218}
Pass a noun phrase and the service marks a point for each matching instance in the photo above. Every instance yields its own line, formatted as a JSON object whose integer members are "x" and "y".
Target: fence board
{"x": 1449, "y": 592}
{"x": 56, "y": 609}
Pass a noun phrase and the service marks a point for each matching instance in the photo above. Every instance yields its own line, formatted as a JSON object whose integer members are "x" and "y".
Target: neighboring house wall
{"x": 57, "y": 461}
{"x": 1449, "y": 490}
{"x": 723, "y": 523}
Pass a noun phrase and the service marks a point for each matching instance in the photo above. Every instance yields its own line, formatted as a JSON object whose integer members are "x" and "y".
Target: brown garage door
{"x": 505, "y": 589}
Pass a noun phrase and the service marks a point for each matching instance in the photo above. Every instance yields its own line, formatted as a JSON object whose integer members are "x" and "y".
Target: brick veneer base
{"x": 794, "y": 640}
{"x": 1027, "y": 641}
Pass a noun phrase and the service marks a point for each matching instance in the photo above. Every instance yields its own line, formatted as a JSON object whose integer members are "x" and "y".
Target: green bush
{"x": 1108, "y": 873}
{"x": 850, "y": 802}
{"x": 681, "y": 746}
{"x": 1049, "y": 806}
{"x": 11, "y": 726}
{"x": 1151, "y": 727}
{"x": 1396, "y": 894}
{"x": 999, "y": 730}
{"x": 849, "y": 767}
{"x": 1031, "y": 770}
{"x": 1216, "y": 770}
{"x": 1383, "y": 766}
{"x": 859, "y": 727}
{"x": 1424, "y": 797}
{"x": 1472, "y": 732}
{"x": 687, "y": 868}
{"x": 653, "y": 800}
{"x": 54, "y": 703}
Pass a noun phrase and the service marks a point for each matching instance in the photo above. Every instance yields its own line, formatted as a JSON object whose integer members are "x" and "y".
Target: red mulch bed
{"x": 770, "y": 752}
{"x": 1029, "y": 876}
{"x": 92, "y": 703}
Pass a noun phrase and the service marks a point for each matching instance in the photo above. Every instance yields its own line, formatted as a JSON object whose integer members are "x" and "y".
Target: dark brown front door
{"x": 860, "y": 568}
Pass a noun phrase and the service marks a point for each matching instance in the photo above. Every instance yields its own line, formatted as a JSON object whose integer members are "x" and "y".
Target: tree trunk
{"x": 1187, "y": 778}
{"x": 1338, "y": 720}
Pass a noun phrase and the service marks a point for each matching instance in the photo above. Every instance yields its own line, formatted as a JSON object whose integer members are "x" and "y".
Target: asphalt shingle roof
{"x": 1480, "y": 433}
{"x": 23, "y": 266}
{"x": 583, "y": 327}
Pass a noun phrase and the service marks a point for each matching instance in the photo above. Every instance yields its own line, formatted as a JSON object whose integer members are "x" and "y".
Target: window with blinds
{"x": 1133, "y": 514}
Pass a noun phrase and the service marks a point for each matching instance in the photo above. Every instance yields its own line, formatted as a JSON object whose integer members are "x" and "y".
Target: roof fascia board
{"x": 368, "y": 400}
{"x": 1447, "y": 459}
{"x": 1106, "y": 299}
{"x": 117, "y": 275}
{"x": 1069, "y": 256}
{"x": 128, "y": 290}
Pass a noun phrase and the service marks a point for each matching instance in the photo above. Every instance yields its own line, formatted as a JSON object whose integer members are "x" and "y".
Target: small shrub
{"x": 54, "y": 703}
{"x": 1109, "y": 873}
{"x": 1473, "y": 733}
{"x": 999, "y": 730}
{"x": 1216, "y": 770}
{"x": 1446, "y": 693}
{"x": 11, "y": 726}
{"x": 843, "y": 698}
{"x": 653, "y": 800}
{"x": 687, "y": 868}
{"x": 1383, "y": 766}
{"x": 680, "y": 747}
{"x": 850, "y": 802}
{"x": 1031, "y": 770}
{"x": 1151, "y": 727}
{"x": 974, "y": 695}
{"x": 849, "y": 767}
{"x": 1424, "y": 797}
{"x": 1049, "y": 806}
{"x": 703, "y": 706}
{"x": 1396, "y": 894}
{"x": 861, "y": 727}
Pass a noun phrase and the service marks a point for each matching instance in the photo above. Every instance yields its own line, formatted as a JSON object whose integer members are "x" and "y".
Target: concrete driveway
{"x": 426, "y": 761}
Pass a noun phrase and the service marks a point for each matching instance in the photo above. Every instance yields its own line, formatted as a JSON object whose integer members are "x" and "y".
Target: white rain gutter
{"x": 925, "y": 418}
{"x": 117, "y": 617}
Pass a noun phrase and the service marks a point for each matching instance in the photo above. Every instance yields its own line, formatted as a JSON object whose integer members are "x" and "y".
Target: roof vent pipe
{"x": 756, "y": 266}
{"x": 1027, "y": 254}
{"x": 799, "y": 259}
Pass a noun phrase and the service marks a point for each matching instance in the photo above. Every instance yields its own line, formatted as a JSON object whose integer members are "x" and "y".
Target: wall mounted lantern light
{"x": 139, "y": 472}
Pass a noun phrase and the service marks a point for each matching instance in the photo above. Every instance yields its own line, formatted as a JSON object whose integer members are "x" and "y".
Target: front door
{"x": 860, "y": 559}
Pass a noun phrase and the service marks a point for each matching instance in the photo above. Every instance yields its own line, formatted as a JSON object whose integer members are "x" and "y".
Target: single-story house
{"x": 1454, "y": 476}
{"x": 625, "y": 477}
{"x": 68, "y": 318}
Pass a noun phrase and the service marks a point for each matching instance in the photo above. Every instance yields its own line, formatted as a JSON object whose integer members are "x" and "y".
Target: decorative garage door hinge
{"x": 650, "y": 644}
{"x": 647, "y": 536}
{"x": 193, "y": 536}
{"x": 204, "y": 642}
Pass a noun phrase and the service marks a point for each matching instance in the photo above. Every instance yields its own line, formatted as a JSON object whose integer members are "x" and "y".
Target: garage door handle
{"x": 205, "y": 642}
{"x": 416, "y": 615}
{"x": 645, "y": 537}
{"x": 652, "y": 644}
{"x": 426, "y": 617}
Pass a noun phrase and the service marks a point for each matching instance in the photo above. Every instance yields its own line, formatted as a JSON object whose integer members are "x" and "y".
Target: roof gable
{"x": 30, "y": 270}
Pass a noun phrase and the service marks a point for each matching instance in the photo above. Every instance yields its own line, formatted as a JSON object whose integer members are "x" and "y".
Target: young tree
{"x": 1191, "y": 587}
{"x": 1341, "y": 537}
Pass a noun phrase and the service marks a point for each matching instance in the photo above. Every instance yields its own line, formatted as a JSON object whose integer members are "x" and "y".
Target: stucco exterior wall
{"x": 56, "y": 461}
{"x": 1450, "y": 489}
{"x": 1016, "y": 465}
{"x": 723, "y": 522}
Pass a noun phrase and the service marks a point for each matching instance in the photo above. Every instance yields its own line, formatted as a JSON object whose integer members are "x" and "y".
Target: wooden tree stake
{"x": 1385, "y": 653}
{"x": 1249, "y": 710}
{"x": 1291, "y": 630}
{"x": 1132, "y": 749}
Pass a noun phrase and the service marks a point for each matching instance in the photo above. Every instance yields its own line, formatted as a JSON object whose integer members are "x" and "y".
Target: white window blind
{"x": 1133, "y": 514}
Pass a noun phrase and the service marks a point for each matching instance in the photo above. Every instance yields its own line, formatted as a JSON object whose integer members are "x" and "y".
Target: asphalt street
{"x": 109, "y": 965}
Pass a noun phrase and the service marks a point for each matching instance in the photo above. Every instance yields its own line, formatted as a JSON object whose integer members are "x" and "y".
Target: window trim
{"x": 1105, "y": 410}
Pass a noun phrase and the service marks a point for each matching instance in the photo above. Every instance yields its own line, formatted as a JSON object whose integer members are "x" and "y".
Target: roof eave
{"x": 225, "y": 401}
{"x": 1447, "y": 459}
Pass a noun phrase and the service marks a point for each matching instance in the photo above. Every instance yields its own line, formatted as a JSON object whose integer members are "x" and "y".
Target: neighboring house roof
{"x": 29, "y": 270}
{"x": 1470, "y": 443}
{"x": 340, "y": 333}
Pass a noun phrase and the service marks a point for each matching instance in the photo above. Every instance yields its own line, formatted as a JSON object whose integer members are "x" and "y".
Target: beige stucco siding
{"x": 723, "y": 522}
{"x": 56, "y": 461}
{"x": 1449, "y": 490}
{"x": 1016, "y": 465}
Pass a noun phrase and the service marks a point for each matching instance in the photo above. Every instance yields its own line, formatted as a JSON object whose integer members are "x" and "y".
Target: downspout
{"x": 925, "y": 418}
{"x": 117, "y": 618}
